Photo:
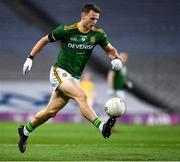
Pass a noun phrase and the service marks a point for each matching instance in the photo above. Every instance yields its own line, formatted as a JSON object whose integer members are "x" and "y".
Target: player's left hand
{"x": 27, "y": 65}
{"x": 116, "y": 64}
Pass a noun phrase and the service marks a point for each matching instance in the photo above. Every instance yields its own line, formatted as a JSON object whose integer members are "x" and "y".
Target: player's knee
{"x": 82, "y": 97}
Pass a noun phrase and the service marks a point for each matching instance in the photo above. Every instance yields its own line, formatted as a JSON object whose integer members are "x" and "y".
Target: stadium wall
{"x": 19, "y": 101}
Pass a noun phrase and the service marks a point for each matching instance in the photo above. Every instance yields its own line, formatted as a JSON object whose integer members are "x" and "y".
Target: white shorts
{"x": 58, "y": 75}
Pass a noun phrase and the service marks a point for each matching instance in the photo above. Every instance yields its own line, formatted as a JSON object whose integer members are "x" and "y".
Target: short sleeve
{"x": 58, "y": 33}
{"x": 103, "y": 39}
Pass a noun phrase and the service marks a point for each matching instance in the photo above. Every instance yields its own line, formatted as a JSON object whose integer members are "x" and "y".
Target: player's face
{"x": 90, "y": 19}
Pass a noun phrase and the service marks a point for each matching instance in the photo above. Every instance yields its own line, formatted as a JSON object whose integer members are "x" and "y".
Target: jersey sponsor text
{"x": 80, "y": 46}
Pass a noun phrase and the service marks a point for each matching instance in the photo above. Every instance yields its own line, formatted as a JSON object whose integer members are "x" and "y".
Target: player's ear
{"x": 83, "y": 15}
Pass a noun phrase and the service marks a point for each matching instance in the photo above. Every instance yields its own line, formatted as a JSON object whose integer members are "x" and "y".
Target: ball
{"x": 115, "y": 107}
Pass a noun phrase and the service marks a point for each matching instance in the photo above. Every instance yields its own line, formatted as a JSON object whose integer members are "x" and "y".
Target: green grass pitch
{"x": 83, "y": 142}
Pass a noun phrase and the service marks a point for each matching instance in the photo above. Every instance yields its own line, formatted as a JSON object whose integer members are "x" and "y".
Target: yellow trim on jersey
{"x": 98, "y": 30}
{"x": 69, "y": 27}
{"x": 56, "y": 75}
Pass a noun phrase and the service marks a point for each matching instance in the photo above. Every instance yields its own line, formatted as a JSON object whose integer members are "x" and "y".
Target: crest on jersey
{"x": 93, "y": 39}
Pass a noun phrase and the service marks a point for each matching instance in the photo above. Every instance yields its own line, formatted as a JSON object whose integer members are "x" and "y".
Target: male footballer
{"x": 77, "y": 43}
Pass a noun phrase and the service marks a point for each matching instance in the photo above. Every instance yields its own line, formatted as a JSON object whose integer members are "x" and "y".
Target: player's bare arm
{"x": 39, "y": 46}
{"x": 114, "y": 56}
{"x": 36, "y": 49}
{"x": 111, "y": 51}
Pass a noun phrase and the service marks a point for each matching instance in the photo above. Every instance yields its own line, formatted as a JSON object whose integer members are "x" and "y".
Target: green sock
{"x": 97, "y": 122}
{"x": 28, "y": 127}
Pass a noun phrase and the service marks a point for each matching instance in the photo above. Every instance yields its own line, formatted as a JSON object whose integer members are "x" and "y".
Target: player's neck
{"x": 82, "y": 28}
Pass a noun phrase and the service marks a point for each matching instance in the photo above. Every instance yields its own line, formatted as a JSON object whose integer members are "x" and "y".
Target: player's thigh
{"x": 72, "y": 89}
{"x": 57, "y": 102}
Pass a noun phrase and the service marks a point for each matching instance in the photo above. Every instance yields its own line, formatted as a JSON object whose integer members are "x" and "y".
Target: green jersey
{"x": 76, "y": 47}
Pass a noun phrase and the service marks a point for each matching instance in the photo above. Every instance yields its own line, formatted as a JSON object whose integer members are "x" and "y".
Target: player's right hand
{"x": 27, "y": 65}
{"x": 116, "y": 64}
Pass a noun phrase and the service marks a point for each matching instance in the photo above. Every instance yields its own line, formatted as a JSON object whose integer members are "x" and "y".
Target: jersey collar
{"x": 79, "y": 28}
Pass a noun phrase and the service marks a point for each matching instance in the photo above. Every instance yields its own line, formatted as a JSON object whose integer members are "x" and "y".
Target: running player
{"x": 77, "y": 43}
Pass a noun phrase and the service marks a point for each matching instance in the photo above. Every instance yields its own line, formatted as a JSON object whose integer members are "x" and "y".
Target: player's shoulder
{"x": 70, "y": 26}
{"x": 98, "y": 30}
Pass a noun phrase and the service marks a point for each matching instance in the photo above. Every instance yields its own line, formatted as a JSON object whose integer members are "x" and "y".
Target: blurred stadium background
{"x": 148, "y": 30}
